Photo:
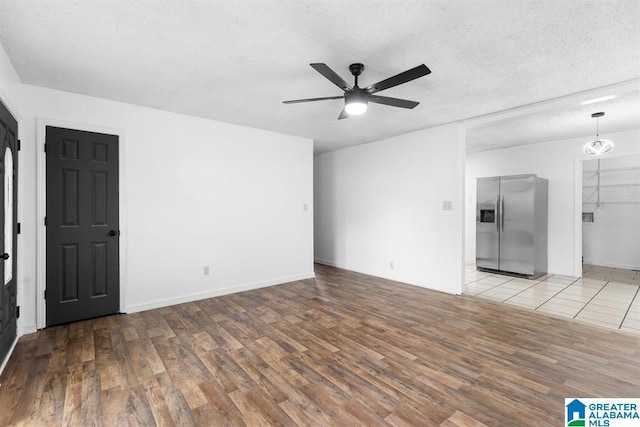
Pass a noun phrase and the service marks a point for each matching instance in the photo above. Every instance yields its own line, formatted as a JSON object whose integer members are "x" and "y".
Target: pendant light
{"x": 599, "y": 146}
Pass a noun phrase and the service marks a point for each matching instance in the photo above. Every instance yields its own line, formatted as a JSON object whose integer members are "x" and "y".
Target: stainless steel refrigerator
{"x": 511, "y": 225}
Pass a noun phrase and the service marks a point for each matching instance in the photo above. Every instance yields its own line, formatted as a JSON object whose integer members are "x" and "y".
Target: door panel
{"x": 487, "y": 238}
{"x": 70, "y": 208}
{"x": 516, "y": 239}
{"x": 69, "y": 276}
{"x": 8, "y": 223}
{"x": 99, "y": 194}
{"x": 100, "y": 267}
{"x": 82, "y": 225}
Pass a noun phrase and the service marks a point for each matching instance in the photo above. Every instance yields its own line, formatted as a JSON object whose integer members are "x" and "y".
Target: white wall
{"x": 560, "y": 163}
{"x": 613, "y": 239}
{"x": 9, "y": 83}
{"x": 381, "y": 203}
{"x": 194, "y": 193}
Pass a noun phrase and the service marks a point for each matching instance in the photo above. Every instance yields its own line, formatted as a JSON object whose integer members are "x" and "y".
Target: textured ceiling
{"x": 559, "y": 122}
{"x": 236, "y": 61}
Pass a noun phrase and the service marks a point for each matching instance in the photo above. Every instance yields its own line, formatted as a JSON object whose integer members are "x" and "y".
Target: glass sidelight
{"x": 8, "y": 215}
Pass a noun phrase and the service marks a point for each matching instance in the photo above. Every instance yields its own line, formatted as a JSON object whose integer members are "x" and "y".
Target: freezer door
{"x": 516, "y": 208}
{"x": 487, "y": 237}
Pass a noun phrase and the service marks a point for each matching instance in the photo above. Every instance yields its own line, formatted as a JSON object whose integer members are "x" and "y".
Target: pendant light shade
{"x": 599, "y": 146}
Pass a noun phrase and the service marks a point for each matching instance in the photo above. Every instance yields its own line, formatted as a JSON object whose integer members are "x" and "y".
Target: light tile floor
{"x": 603, "y": 296}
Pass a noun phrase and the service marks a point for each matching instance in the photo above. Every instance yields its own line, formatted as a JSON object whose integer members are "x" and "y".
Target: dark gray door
{"x": 487, "y": 225}
{"x": 82, "y": 225}
{"x": 8, "y": 222}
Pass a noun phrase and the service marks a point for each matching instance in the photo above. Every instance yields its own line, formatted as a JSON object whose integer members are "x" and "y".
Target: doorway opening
{"x": 610, "y": 220}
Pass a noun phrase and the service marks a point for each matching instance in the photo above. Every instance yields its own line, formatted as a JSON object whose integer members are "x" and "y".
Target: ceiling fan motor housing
{"x": 356, "y": 69}
{"x": 356, "y": 95}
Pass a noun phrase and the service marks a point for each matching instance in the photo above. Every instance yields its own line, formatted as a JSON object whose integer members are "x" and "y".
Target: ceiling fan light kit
{"x": 355, "y": 102}
{"x": 356, "y": 99}
{"x": 598, "y": 146}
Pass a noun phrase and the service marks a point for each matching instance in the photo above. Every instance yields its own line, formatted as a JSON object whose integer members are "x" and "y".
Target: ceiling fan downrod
{"x": 356, "y": 69}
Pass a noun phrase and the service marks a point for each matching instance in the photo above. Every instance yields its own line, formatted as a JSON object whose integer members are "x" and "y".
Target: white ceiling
{"x": 236, "y": 61}
{"x": 563, "y": 119}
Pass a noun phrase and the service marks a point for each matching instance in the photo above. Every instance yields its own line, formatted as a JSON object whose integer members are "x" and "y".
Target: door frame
{"x": 41, "y": 188}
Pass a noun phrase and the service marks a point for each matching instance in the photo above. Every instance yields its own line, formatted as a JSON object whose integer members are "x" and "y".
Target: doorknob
{"x": 5, "y": 256}
{"x": 113, "y": 233}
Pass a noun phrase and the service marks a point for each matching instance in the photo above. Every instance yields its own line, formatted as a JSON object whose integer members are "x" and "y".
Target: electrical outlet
{"x": 205, "y": 270}
{"x": 391, "y": 266}
{"x": 305, "y": 207}
{"x": 447, "y": 205}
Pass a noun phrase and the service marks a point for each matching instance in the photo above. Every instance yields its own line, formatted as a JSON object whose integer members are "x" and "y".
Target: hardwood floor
{"x": 343, "y": 349}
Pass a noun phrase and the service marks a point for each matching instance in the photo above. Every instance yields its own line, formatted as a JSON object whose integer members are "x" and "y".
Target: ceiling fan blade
{"x": 394, "y": 102}
{"x": 398, "y": 79}
{"x": 297, "y": 101}
{"x": 331, "y": 75}
{"x": 343, "y": 114}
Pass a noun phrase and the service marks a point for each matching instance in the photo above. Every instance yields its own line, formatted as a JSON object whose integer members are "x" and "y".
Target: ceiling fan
{"x": 355, "y": 98}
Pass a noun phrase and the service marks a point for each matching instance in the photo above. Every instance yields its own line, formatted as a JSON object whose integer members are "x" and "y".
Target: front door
{"x": 8, "y": 222}
{"x": 82, "y": 225}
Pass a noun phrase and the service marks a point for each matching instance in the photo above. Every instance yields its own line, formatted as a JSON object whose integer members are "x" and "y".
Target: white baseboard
{"x": 27, "y": 329}
{"x": 608, "y": 264}
{"x": 325, "y": 262}
{"x": 6, "y": 359}
{"x": 383, "y": 276}
{"x": 214, "y": 293}
{"x": 346, "y": 267}
{"x": 22, "y": 330}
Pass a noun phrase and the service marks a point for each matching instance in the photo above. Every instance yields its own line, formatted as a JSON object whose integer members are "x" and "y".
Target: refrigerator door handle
{"x": 502, "y": 212}
{"x": 497, "y": 214}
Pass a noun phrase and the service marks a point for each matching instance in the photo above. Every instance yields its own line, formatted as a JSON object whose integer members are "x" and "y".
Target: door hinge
{"x": 45, "y": 294}
{"x": 45, "y": 147}
{"x": 17, "y": 312}
{"x": 45, "y": 221}
{"x": 19, "y": 145}
{"x": 18, "y": 228}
